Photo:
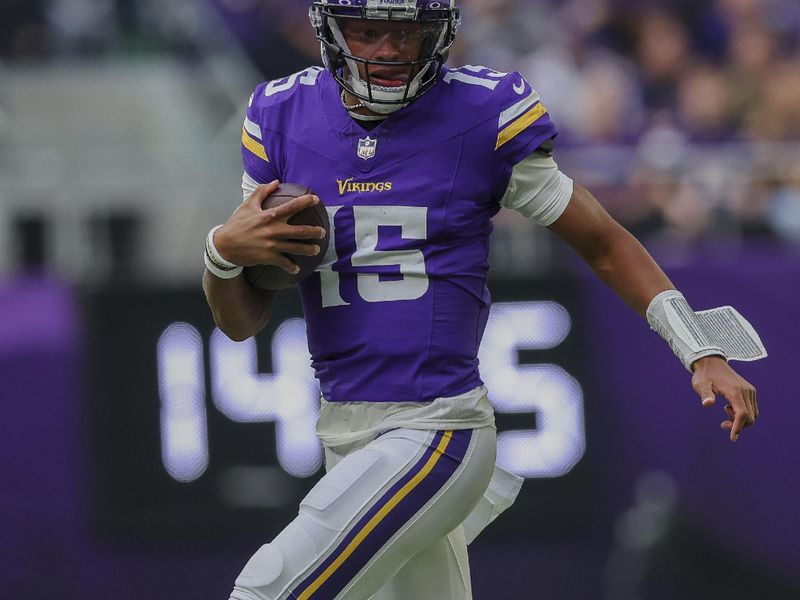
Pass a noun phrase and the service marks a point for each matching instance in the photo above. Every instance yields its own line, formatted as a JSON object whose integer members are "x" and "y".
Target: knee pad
{"x": 263, "y": 568}
{"x": 275, "y": 565}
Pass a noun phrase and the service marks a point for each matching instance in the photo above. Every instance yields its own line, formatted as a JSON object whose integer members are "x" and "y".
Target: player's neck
{"x": 361, "y": 110}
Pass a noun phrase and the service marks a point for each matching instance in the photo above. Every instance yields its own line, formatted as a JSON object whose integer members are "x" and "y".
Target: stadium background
{"x": 119, "y": 135}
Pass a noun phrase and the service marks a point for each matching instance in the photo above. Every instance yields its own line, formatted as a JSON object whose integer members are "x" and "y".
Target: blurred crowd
{"x": 682, "y": 115}
{"x": 704, "y": 95}
{"x": 32, "y": 30}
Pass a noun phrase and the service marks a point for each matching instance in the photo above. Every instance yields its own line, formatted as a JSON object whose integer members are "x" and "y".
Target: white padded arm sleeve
{"x": 249, "y": 186}
{"x": 538, "y": 189}
{"x": 692, "y": 335}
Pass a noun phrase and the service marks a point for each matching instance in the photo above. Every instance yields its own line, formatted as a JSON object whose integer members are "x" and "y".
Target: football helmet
{"x": 430, "y": 24}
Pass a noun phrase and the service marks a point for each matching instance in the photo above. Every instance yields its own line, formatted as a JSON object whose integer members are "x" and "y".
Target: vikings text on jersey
{"x": 397, "y": 310}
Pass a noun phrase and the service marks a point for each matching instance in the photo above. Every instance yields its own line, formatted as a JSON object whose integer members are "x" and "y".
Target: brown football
{"x": 270, "y": 277}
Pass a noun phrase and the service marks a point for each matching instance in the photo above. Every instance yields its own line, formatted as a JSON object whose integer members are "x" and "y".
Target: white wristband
{"x": 221, "y": 273}
{"x": 213, "y": 253}
{"x": 215, "y": 263}
{"x": 670, "y": 315}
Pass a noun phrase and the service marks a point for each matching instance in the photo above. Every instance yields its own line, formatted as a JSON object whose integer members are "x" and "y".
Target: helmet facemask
{"x": 418, "y": 40}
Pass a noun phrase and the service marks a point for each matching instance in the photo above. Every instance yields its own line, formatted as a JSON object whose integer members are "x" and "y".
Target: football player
{"x": 412, "y": 159}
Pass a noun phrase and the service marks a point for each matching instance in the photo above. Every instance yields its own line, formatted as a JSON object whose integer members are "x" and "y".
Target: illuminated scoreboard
{"x": 193, "y": 432}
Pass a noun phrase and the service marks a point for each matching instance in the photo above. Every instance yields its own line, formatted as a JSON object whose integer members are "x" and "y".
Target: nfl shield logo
{"x": 367, "y": 147}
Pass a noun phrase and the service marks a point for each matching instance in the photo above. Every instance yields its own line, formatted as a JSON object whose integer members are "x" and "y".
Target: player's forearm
{"x": 628, "y": 269}
{"x": 239, "y": 310}
{"x": 610, "y": 250}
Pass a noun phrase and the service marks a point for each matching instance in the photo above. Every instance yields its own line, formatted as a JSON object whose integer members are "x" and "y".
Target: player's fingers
{"x": 739, "y": 422}
{"x": 740, "y": 398}
{"x": 750, "y": 395}
{"x": 283, "y": 262}
{"x": 305, "y": 232}
{"x": 705, "y": 390}
{"x": 287, "y": 209}
{"x": 298, "y": 248}
{"x": 261, "y": 192}
{"x": 739, "y": 413}
{"x": 728, "y": 425}
{"x": 283, "y": 231}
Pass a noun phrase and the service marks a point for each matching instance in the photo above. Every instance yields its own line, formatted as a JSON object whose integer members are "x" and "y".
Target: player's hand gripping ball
{"x": 270, "y": 277}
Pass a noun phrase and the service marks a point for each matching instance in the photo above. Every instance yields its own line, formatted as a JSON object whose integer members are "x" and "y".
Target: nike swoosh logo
{"x": 520, "y": 89}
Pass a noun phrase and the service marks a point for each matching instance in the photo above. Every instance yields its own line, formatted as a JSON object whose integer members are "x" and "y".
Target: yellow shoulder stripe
{"x": 521, "y": 124}
{"x": 254, "y": 146}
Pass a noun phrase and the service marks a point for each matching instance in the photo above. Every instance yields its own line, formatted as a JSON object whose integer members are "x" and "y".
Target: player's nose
{"x": 389, "y": 48}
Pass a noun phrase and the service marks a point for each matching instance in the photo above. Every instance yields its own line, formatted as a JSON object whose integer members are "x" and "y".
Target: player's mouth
{"x": 389, "y": 78}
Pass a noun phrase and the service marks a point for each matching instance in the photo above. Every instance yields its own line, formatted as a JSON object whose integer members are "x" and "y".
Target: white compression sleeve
{"x": 538, "y": 189}
{"x": 249, "y": 186}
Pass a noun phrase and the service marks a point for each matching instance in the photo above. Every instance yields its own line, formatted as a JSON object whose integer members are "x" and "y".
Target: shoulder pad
{"x": 485, "y": 87}
{"x": 512, "y": 120}
{"x": 504, "y": 97}
{"x": 522, "y": 113}
{"x": 272, "y": 104}
{"x": 480, "y": 87}
{"x": 273, "y": 97}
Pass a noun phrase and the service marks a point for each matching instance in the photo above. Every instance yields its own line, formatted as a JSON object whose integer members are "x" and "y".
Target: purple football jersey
{"x": 397, "y": 310}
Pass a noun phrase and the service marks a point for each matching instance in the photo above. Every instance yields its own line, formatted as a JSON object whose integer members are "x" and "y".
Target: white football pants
{"x": 384, "y": 523}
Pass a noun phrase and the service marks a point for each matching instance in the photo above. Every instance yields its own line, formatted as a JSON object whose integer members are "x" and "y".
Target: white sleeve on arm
{"x": 249, "y": 186}
{"x": 538, "y": 189}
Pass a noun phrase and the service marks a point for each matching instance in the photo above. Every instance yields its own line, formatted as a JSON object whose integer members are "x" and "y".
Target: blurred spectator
{"x": 81, "y": 26}
{"x": 776, "y": 116}
{"x": 663, "y": 51}
{"x": 22, "y": 29}
{"x": 783, "y": 205}
{"x": 704, "y": 105}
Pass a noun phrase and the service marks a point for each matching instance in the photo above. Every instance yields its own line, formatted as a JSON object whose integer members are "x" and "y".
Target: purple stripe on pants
{"x": 398, "y": 516}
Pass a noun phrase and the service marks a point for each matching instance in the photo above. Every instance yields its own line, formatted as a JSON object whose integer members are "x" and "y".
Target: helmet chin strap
{"x": 384, "y": 109}
{"x": 376, "y": 107}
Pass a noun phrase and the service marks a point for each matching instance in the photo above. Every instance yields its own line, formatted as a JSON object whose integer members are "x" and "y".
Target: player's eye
{"x": 400, "y": 36}
{"x": 411, "y": 35}
{"x": 365, "y": 36}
